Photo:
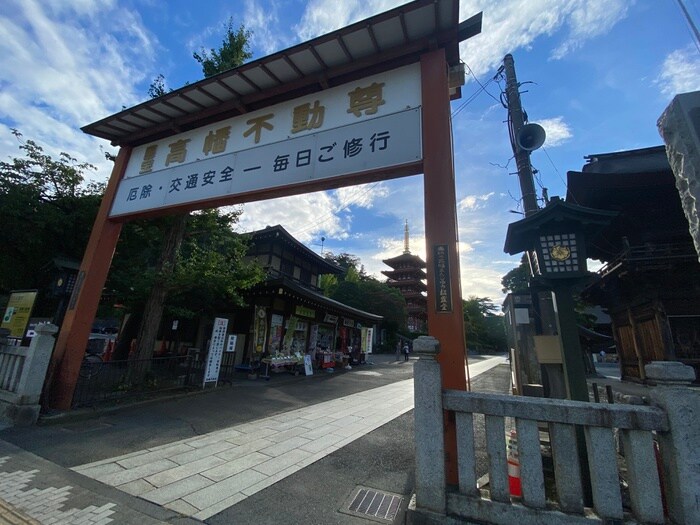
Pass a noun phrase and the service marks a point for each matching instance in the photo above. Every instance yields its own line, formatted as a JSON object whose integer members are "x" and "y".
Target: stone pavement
{"x": 196, "y": 478}
{"x": 201, "y": 477}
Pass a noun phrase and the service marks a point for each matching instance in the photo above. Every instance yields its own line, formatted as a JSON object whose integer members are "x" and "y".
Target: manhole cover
{"x": 376, "y": 505}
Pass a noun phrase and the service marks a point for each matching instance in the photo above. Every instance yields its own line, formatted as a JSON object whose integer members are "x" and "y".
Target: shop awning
{"x": 285, "y": 286}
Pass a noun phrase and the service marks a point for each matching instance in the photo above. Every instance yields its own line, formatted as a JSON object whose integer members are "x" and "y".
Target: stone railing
{"x": 672, "y": 425}
{"x": 22, "y": 374}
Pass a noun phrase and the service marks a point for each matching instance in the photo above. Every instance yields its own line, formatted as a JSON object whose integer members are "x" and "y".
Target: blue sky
{"x": 602, "y": 72}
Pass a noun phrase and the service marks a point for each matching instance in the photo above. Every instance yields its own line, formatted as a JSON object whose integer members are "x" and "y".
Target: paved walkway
{"x": 196, "y": 477}
{"x": 202, "y": 476}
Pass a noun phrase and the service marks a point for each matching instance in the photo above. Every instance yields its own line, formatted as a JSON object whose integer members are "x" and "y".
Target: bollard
{"x": 514, "y": 483}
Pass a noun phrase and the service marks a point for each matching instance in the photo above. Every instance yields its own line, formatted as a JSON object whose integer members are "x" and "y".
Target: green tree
{"x": 358, "y": 289}
{"x": 483, "y": 329}
{"x": 354, "y": 269}
{"x": 46, "y": 210}
{"x": 517, "y": 280}
{"x": 232, "y": 53}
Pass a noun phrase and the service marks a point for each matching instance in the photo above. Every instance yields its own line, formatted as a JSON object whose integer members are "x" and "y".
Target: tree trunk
{"x": 153, "y": 310}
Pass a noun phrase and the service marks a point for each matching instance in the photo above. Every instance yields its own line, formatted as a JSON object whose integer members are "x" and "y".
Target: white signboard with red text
{"x": 369, "y": 124}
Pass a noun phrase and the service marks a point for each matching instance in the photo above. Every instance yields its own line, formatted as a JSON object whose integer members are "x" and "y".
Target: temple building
{"x": 408, "y": 275}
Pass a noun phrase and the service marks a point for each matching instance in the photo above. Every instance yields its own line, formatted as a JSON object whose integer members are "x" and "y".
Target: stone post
{"x": 679, "y": 449}
{"x": 21, "y": 407}
{"x": 36, "y": 364}
{"x": 429, "y": 427}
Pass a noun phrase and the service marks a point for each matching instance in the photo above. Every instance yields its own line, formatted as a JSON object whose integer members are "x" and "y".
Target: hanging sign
{"x": 443, "y": 292}
{"x": 370, "y": 124}
{"x": 366, "y": 344}
{"x": 216, "y": 350}
{"x": 259, "y": 329}
{"x": 19, "y": 309}
{"x": 303, "y": 311}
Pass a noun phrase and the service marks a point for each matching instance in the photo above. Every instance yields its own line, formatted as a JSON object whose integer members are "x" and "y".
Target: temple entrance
{"x": 313, "y": 117}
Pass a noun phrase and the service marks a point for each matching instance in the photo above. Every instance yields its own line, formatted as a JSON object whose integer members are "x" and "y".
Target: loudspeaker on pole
{"x": 530, "y": 137}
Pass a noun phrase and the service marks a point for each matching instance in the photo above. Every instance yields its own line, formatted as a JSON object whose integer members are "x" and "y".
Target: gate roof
{"x": 379, "y": 43}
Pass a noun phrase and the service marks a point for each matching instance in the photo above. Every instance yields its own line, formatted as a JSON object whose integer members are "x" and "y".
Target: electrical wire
{"x": 558, "y": 173}
{"x": 354, "y": 198}
{"x": 469, "y": 100}
{"x": 482, "y": 86}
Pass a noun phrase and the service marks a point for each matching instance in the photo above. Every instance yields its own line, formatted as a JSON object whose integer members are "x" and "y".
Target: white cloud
{"x": 263, "y": 22}
{"x": 481, "y": 281}
{"x": 557, "y": 131}
{"x": 509, "y": 25}
{"x": 362, "y": 196}
{"x": 588, "y": 19}
{"x": 680, "y": 72}
{"x": 62, "y": 66}
{"x": 474, "y": 202}
{"x": 303, "y": 216}
{"x": 323, "y": 16}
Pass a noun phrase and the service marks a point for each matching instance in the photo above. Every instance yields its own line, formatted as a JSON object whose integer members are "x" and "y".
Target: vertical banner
{"x": 216, "y": 350}
{"x": 443, "y": 292}
{"x": 289, "y": 334}
{"x": 259, "y": 329}
{"x": 276, "y": 327}
{"x": 313, "y": 337}
{"x": 231, "y": 343}
{"x": 367, "y": 336}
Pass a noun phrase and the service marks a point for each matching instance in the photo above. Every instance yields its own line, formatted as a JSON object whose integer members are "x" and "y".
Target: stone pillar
{"x": 21, "y": 407}
{"x": 679, "y": 449}
{"x": 429, "y": 427}
{"x": 679, "y": 125}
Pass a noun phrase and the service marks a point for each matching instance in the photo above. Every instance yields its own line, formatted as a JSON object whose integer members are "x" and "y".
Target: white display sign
{"x": 231, "y": 343}
{"x": 368, "y": 124}
{"x": 308, "y": 367}
{"x": 368, "y": 338}
{"x": 216, "y": 350}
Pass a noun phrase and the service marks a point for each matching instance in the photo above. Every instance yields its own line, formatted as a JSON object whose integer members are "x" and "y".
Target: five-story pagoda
{"x": 407, "y": 274}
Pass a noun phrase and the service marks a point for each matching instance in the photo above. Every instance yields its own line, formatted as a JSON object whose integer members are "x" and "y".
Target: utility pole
{"x": 572, "y": 368}
{"x": 517, "y": 121}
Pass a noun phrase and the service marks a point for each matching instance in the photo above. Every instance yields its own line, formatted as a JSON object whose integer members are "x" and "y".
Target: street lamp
{"x": 555, "y": 238}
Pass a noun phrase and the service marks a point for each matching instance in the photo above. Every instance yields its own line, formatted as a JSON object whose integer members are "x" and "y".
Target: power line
{"x": 355, "y": 197}
{"x": 483, "y": 86}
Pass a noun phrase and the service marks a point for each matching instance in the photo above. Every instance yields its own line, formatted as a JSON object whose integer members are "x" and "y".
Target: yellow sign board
{"x": 18, "y": 311}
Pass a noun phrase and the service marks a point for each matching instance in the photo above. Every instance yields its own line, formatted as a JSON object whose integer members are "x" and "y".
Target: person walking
{"x": 405, "y": 352}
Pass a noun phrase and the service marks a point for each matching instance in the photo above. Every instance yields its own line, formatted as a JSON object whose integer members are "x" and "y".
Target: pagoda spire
{"x": 406, "y": 251}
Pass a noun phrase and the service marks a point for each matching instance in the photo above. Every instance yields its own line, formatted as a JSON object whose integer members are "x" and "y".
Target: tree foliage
{"x": 233, "y": 51}
{"x": 46, "y": 210}
{"x": 517, "y": 280}
{"x": 483, "y": 328}
{"x": 354, "y": 269}
{"x": 358, "y": 289}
